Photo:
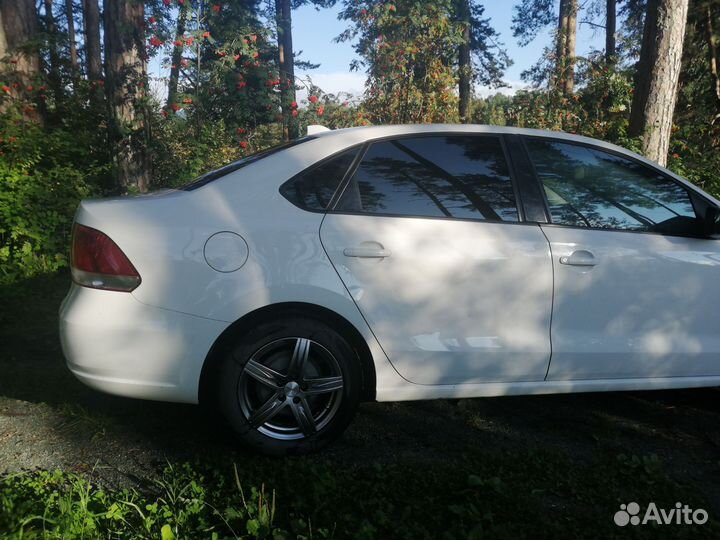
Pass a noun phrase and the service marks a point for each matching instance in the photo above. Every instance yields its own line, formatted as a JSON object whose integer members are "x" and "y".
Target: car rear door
{"x": 429, "y": 241}
{"x": 636, "y": 286}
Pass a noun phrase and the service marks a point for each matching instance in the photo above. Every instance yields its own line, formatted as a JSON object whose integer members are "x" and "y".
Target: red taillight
{"x": 98, "y": 262}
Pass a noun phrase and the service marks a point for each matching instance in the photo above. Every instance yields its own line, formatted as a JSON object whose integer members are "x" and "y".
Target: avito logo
{"x": 681, "y": 514}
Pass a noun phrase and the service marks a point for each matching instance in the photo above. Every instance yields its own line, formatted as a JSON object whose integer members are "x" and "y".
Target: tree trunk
{"x": 3, "y": 40}
{"x": 19, "y": 22}
{"x": 610, "y": 30}
{"x": 564, "y": 77}
{"x": 54, "y": 71}
{"x": 570, "y": 41}
{"x": 126, "y": 74}
{"x": 177, "y": 55}
{"x": 464, "y": 62}
{"x": 91, "y": 24}
{"x": 712, "y": 51}
{"x": 561, "y": 38}
{"x": 657, "y": 76}
{"x": 286, "y": 63}
{"x": 69, "y": 13}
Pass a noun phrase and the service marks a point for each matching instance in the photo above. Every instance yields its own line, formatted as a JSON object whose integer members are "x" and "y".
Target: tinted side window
{"x": 313, "y": 188}
{"x": 444, "y": 176}
{"x": 586, "y": 187}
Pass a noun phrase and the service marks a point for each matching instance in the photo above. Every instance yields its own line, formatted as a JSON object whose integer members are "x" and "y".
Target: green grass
{"x": 552, "y": 467}
{"x": 485, "y": 494}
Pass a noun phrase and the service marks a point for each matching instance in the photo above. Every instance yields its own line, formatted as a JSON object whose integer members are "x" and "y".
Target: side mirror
{"x": 711, "y": 224}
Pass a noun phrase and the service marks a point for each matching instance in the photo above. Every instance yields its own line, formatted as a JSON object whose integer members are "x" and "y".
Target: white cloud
{"x": 348, "y": 82}
{"x": 511, "y": 90}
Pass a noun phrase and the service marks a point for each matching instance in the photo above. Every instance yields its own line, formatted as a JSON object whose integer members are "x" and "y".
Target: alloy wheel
{"x": 290, "y": 388}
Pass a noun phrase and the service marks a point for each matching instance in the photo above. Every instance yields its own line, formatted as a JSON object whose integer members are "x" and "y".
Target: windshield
{"x": 236, "y": 165}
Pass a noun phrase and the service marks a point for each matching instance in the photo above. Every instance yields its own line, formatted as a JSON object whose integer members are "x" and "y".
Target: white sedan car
{"x": 397, "y": 263}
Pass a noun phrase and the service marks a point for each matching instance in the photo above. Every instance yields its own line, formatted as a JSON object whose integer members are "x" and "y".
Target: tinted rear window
{"x": 313, "y": 188}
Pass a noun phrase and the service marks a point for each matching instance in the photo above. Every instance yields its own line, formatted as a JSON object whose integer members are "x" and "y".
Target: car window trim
{"x": 631, "y": 231}
{"x": 530, "y": 193}
{"x": 348, "y": 175}
{"x": 693, "y": 194}
{"x": 497, "y": 136}
{"x": 514, "y": 180}
{"x": 440, "y": 218}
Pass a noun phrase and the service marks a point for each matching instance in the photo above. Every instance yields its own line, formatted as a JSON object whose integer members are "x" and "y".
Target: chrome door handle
{"x": 579, "y": 258}
{"x": 367, "y": 252}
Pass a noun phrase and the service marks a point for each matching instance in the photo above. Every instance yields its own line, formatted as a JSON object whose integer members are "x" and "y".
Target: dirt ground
{"x": 49, "y": 420}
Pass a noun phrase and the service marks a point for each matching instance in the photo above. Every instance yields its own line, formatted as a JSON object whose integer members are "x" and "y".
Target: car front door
{"x": 428, "y": 240}
{"x": 637, "y": 287}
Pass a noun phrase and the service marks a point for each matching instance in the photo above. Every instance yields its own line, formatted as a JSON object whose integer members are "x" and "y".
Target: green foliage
{"x": 487, "y": 493}
{"x": 57, "y": 505}
{"x": 408, "y": 49}
{"x": 39, "y": 193}
{"x": 695, "y": 146}
{"x": 605, "y": 98}
{"x": 488, "y": 55}
{"x": 530, "y": 17}
{"x": 492, "y": 110}
{"x": 598, "y": 109}
{"x": 228, "y": 67}
{"x": 331, "y": 110}
{"x": 181, "y": 154}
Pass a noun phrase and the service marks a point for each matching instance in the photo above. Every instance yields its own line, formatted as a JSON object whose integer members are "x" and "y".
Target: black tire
{"x": 259, "y": 376}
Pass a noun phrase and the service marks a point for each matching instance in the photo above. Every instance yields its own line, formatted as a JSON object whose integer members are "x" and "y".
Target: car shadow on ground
{"x": 48, "y": 419}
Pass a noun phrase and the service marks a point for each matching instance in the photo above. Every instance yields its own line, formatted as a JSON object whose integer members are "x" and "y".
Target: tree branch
{"x": 594, "y": 25}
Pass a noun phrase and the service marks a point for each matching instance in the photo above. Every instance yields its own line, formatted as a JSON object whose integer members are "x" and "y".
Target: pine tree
{"x": 177, "y": 53}
{"x": 286, "y": 67}
{"x": 558, "y": 66}
{"x": 18, "y": 29}
{"x": 658, "y": 73}
{"x": 126, "y": 71}
{"x": 610, "y": 30}
{"x": 481, "y": 56}
{"x": 408, "y": 49}
{"x": 286, "y": 60}
{"x": 72, "y": 45}
{"x": 91, "y": 39}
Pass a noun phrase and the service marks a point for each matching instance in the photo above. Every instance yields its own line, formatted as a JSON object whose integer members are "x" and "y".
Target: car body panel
{"x": 118, "y": 345}
{"x": 411, "y": 392}
{"x": 646, "y": 309}
{"x": 455, "y": 301}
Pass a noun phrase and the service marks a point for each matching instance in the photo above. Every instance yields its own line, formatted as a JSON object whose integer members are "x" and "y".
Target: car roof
{"x": 377, "y": 132}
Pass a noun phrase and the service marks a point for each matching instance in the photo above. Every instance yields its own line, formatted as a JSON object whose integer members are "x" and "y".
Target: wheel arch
{"x": 274, "y": 311}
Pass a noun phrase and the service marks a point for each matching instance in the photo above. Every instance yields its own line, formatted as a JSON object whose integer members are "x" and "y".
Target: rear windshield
{"x": 236, "y": 165}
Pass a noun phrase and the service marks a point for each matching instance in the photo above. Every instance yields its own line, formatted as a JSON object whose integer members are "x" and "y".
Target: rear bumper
{"x": 116, "y": 344}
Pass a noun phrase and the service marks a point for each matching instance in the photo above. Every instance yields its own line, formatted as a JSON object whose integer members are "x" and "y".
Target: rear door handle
{"x": 367, "y": 252}
{"x": 579, "y": 258}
